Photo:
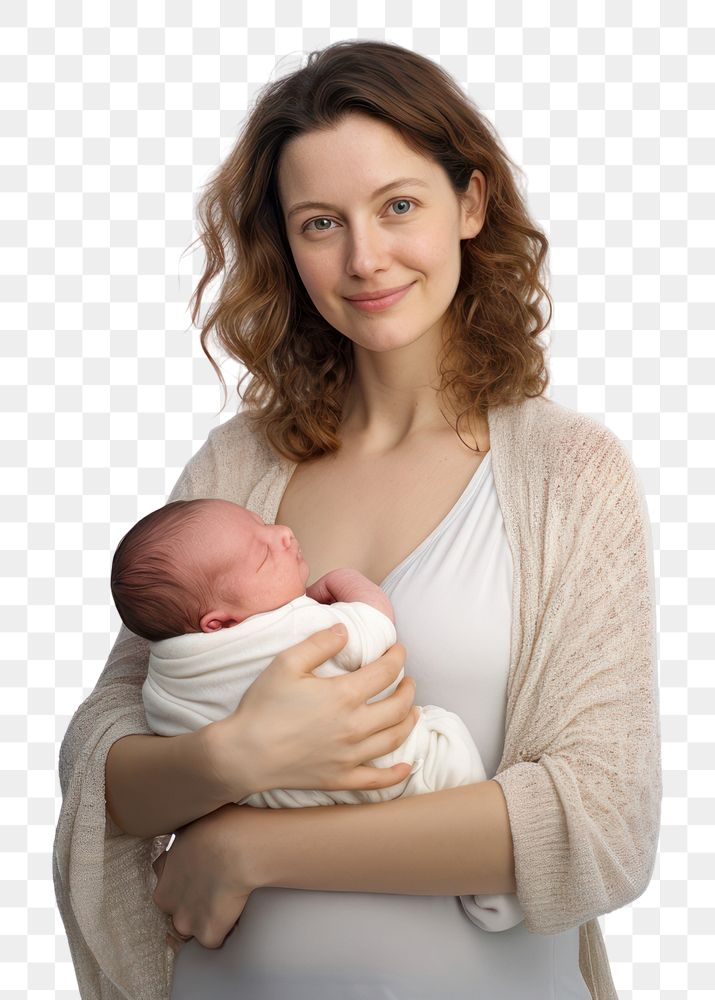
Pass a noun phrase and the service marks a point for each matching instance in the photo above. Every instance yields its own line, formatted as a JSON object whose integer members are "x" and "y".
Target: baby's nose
{"x": 286, "y": 537}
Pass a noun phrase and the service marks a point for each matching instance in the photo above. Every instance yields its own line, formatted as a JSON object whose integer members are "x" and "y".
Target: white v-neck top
{"x": 292, "y": 944}
{"x": 459, "y": 659}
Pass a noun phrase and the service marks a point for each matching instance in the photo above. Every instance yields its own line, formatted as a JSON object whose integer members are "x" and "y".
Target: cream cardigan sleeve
{"x": 581, "y": 769}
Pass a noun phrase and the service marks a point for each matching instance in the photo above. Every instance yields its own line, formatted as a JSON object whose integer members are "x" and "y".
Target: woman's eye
{"x": 319, "y": 230}
{"x": 326, "y": 229}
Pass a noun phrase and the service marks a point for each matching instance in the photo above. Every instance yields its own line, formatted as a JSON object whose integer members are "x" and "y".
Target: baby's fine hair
{"x": 157, "y": 593}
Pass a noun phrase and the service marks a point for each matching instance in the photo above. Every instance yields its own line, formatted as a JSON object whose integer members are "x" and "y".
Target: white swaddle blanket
{"x": 199, "y": 678}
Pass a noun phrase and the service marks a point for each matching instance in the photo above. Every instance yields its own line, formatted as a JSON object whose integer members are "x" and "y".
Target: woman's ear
{"x": 473, "y": 204}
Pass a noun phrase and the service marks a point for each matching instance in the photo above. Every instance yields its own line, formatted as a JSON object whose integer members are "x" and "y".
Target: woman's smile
{"x": 384, "y": 302}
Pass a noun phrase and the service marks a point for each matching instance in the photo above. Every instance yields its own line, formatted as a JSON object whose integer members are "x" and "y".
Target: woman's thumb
{"x": 316, "y": 649}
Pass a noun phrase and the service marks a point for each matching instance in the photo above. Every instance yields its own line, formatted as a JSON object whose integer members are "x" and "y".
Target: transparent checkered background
{"x": 112, "y": 115}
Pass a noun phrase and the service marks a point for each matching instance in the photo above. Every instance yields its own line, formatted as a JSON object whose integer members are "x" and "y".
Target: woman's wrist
{"x": 254, "y": 839}
{"x": 228, "y": 762}
{"x": 154, "y": 784}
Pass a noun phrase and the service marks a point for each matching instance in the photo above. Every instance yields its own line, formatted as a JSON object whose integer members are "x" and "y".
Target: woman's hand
{"x": 205, "y": 877}
{"x": 295, "y": 730}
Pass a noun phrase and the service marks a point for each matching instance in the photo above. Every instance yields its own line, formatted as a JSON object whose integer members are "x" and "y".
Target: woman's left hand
{"x": 204, "y": 878}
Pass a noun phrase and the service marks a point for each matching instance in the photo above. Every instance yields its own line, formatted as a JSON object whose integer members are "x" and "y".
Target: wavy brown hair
{"x": 299, "y": 366}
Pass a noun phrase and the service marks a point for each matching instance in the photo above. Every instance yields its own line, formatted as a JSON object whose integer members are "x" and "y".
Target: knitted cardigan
{"x": 581, "y": 765}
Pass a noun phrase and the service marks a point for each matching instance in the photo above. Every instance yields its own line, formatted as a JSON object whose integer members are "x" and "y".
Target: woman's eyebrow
{"x": 381, "y": 190}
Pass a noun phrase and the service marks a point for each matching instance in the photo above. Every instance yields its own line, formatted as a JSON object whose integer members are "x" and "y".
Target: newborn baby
{"x": 219, "y": 594}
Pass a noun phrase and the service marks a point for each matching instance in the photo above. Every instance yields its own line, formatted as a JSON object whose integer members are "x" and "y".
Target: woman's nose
{"x": 367, "y": 250}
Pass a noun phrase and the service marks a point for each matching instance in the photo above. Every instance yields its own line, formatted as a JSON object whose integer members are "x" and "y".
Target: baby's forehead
{"x": 226, "y": 514}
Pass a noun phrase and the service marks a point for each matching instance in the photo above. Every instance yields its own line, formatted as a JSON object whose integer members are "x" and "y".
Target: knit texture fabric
{"x": 581, "y": 766}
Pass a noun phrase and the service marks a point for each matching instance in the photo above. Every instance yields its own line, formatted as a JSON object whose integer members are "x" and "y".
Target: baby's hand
{"x": 350, "y": 585}
{"x": 339, "y": 585}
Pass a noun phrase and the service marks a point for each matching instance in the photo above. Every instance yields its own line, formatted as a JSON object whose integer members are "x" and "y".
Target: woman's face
{"x": 381, "y": 217}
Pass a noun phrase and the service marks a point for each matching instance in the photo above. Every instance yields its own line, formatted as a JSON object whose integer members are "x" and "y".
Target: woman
{"x": 407, "y": 436}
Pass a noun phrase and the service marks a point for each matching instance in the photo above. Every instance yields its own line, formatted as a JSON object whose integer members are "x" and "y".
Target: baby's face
{"x": 253, "y": 566}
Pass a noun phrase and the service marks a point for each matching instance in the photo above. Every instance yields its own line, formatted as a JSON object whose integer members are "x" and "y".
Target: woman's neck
{"x": 382, "y": 420}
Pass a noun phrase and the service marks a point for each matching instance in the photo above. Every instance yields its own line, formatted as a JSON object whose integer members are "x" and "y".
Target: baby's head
{"x": 203, "y": 565}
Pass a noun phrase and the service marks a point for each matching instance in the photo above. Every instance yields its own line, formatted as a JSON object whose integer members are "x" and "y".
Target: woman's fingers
{"x": 305, "y": 656}
{"x": 388, "y": 740}
{"x": 379, "y": 744}
{"x": 174, "y": 943}
{"x": 203, "y": 882}
{"x": 388, "y": 712}
{"x": 368, "y": 778}
{"x": 376, "y": 676}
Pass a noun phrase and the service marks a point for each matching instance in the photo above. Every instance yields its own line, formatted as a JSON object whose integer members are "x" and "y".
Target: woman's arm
{"x": 321, "y": 729}
{"x": 453, "y": 842}
{"x": 155, "y": 784}
{"x": 456, "y": 841}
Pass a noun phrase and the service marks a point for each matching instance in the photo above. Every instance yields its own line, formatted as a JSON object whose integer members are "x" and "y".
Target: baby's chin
{"x": 288, "y": 594}
{"x": 294, "y": 593}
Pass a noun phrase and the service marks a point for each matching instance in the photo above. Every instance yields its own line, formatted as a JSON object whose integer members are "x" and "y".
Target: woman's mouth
{"x": 377, "y": 305}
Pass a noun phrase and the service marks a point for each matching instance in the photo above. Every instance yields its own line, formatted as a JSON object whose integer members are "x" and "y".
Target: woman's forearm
{"x": 155, "y": 784}
{"x": 453, "y": 842}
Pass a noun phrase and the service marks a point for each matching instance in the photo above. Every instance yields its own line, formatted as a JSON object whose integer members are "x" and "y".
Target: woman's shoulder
{"x": 538, "y": 420}
{"x": 542, "y": 440}
{"x": 239, "y": 433}
{"x": 233, "y": 458}
{"x": 549, "y": 428}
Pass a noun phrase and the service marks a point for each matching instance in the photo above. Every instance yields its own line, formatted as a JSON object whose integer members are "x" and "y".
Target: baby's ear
{"x": 211, "y": 622}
